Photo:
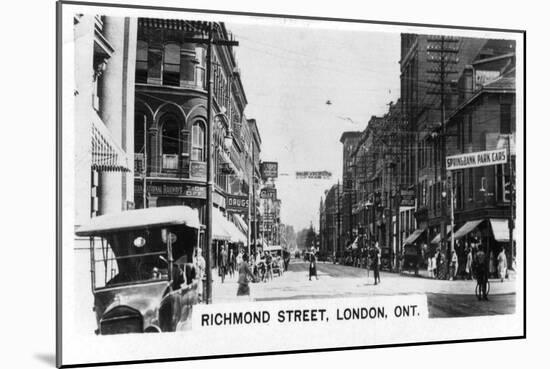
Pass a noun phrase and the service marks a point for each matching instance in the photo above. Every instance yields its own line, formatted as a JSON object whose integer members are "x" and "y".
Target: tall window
{"x": 471, "y": 184}
{"x": 154, "y": 60}
{"x": 197, "y": 133}
{"x": 171, "y": 65}
{"x": 188, "y": 62}
{"x": 142, "y": 62}
{"x": 458, "y": 183}
{"x": 470, "y": 128}
{"x": 170, "y": 143}
{"x": 200, "y": 67}
{"x": 505, "y": 118}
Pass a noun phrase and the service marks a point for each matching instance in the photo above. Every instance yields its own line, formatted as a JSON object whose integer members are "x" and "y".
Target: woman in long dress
{"x": 502, "y": 265}
{"x": 244, "y": 273}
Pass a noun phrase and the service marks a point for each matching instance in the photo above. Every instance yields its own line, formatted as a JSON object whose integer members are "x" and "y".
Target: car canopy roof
{"x": 140, "y": 218}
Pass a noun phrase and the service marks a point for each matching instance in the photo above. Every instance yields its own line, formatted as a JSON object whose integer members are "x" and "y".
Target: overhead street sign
{"x": 476, "y": 159}
{"x": 269, "y": 169}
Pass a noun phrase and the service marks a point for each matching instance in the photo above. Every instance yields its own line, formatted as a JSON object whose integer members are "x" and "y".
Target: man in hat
{"x": 312, "y": 264}
{"x": 222, "y": 263}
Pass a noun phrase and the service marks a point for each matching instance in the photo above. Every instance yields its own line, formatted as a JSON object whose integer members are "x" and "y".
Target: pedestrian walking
{"x": 200, "y": 266}
{"x": 244, "y": 274}
{"x": 437, "y": 262}
{"x": 468, "y": 268}
{"x": 454, "y": 265}
{"x": 481, "y": 271}
{"x": 430, "y": 267}
{"x": 377, "y": 263}
{"x": 239, "y": 259}
{"x": 312, "y": 264}
{"x": 268, "y": 265}
{"x": 222, "y": 263}
{"x": 231, "y": 263}
{"x": 492, "y": 271}
{"x": 502, "y": 265}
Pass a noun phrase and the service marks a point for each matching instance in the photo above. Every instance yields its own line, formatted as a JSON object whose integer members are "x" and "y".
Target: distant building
{"x": 331, "y": 226}
{"x": 349, "y": 142}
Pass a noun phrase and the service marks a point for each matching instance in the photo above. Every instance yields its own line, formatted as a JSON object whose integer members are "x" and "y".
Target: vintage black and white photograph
{"x": 251, "y": 175}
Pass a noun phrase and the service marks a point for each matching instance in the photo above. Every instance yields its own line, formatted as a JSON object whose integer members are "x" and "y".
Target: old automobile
{"x": 142, "y": 275}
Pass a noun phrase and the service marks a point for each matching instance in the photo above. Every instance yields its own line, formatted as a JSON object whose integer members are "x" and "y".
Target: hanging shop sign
{"x": 156, "y": 188}
{"x": 407, "y": 197}
{"x": 237, "y": 203}
{"x": 268, "y": 193}
{"x": 269, "y": 169}
{"x": 197, "y": 170}
{"x": 476, "y": 159}
{"x": 314, "y": 175}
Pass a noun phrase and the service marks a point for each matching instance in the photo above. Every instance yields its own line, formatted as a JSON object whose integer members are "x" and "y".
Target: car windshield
{"x": 135, "y": 256}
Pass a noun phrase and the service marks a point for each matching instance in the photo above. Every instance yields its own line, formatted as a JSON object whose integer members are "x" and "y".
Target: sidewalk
{"x": 423, "y": 273}
{"x": 296, "y": 285}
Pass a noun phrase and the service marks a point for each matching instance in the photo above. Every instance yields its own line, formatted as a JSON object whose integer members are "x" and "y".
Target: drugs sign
{"x": 237, "y": 203}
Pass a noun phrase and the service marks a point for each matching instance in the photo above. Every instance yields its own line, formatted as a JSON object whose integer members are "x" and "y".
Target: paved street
{"x": 445, "y": 298}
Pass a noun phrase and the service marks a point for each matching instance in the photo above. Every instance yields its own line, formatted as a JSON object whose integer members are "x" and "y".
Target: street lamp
{"x": 228, "y": 140}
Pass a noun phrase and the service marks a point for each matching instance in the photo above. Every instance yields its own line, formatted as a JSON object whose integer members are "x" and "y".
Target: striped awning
{"x": 240, "y": 223}
{"x": 107, "y": 155}
{"x": 467, "y": 228}
{"x": 219, "y": 227}
{"x": 437, "y": 239}
{"x": 413, "y": 236}
{"x": 500, "y": 230}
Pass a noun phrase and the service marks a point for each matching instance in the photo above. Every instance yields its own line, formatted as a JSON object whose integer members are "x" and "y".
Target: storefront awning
{"x": 236, "y": 235}
{"x": 437, "y": 239}
{"x": 413, "y": 236}
{"x": 107, "y": 155}
{"x": 239, "y": 221}
{"x": 467, "y": 228}
{"x": 219, "y": 228}
{"x": 500, "y": 230}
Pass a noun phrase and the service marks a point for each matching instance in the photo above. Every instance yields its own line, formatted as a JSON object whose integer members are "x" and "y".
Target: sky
{"x": 289, "y": 72}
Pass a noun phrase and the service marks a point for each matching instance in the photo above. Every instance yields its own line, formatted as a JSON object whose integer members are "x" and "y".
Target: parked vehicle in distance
{"x": 277, "y": 264}
{"x": 142, "y": 275}
{"x": 411, "y": 258}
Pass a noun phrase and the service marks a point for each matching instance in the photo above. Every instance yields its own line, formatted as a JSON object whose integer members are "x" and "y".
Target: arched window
{"x": 142, "y": 62}
{"x": 197, "y": 133}
{"x": 171, "y": 65}
{"x": 170, "y": 142}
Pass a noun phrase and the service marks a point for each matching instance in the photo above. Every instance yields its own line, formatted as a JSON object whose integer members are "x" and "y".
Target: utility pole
{"x": 338, "y": 217}
{"x": 144, "y": 161}
{"x": 512, "y": 199}
{"x": 254, "y": 234}
{"x": 443, "y": 46}
{"x": 209, "y": 167}
{"x": 209, "y": 41}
